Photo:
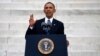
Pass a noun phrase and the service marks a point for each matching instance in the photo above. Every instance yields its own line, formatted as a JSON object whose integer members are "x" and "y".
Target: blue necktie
{"x": 48, "y": 22}
{"x": 49, "y": 26}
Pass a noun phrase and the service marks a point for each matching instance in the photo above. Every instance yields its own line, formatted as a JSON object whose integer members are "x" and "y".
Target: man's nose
{"x": 48, "y": 8}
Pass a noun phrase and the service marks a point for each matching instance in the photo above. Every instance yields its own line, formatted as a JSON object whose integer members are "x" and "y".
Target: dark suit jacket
{"x": 57, "y": 28}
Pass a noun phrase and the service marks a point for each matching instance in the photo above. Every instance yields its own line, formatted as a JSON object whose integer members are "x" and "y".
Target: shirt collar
{"x": 46, "y": 19}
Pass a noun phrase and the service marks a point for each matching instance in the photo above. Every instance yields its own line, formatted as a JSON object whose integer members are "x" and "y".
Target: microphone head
{"x": 46, "y": 26}
{"x": 43, "y": 24}
{"x": 49, "y": 25}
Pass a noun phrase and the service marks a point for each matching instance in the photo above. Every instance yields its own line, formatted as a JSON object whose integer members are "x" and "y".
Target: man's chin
{"x": 49, "y": 16}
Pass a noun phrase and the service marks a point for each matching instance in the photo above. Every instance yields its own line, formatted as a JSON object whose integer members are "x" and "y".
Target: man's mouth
{"x": 48, "y": 12}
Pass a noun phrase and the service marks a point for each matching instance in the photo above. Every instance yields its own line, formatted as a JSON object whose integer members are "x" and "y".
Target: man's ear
{"x": 54, "y": 10}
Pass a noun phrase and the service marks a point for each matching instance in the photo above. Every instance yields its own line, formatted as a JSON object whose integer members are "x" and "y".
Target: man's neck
{"x": 49, "y": 17}
{"x": 46, "y": 19}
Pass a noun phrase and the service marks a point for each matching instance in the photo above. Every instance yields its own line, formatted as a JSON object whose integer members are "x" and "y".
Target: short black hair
{"x": 50, "y": 3}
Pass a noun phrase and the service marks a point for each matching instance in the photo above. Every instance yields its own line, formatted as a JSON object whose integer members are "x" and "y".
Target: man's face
{"x": 49, "y": 9}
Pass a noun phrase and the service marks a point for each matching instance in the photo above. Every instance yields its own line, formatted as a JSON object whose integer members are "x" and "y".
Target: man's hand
{"x": 31, "y": 20}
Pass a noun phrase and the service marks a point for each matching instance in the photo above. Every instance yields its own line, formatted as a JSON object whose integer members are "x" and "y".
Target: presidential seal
{"x": 45, "y": 46}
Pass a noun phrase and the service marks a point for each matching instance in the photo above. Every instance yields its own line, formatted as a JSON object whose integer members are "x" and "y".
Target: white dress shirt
{"x": 46, "y": 19}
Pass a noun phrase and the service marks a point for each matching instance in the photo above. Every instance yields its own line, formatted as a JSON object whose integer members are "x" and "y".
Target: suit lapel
{"x": 43, "y": 20}
{"x": 53, "y": 26}
{"x": 40, "y": 27}
{"x": 54, "y": 23}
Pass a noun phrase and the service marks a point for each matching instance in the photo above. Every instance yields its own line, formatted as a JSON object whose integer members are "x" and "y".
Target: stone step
{"x": 70, "y": 26}
{"x": 20, "y": 26}
{"x": 42, "y": 1}
{"x": 38, "y": 14}
{"x": 70, "y": 54}
{"x": 71, "y": 29}
{"x": 78, "y": 44}
{"x": 39, "y": 6}
{"x": 83, "y": 19}
{"x": 67, "y": 19}
{"x": 84, "y": 53}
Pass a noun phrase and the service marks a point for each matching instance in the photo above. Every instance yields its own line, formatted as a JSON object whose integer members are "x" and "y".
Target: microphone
{"x": 46, "y": 26}
{"x": 49, "y": 25}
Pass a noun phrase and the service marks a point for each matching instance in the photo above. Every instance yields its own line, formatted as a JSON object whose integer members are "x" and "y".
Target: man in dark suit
{"x": 36, "y": 28}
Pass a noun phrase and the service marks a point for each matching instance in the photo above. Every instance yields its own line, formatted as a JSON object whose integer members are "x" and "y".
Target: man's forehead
{"x": 46, "y": 5}
{"x": 49, "y": 4}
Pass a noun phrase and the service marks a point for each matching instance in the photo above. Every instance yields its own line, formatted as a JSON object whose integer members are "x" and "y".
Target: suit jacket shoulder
{"x": 41, "y": 20}
{"x": 58, "y": 26}
{"x": 57, "y": 21}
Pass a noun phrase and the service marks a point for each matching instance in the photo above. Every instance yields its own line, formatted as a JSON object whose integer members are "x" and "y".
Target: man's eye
{"x": 46, "y": 7}
{"x": 50, "y": 7}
